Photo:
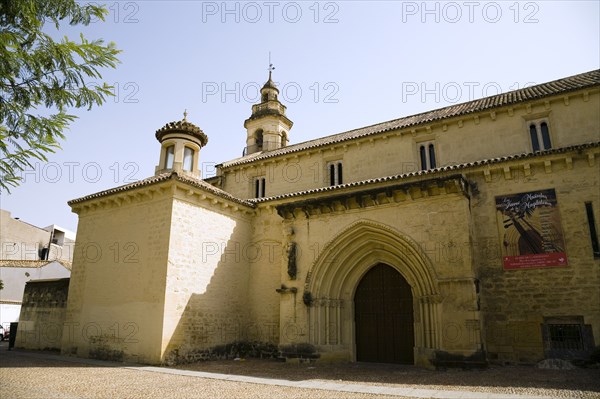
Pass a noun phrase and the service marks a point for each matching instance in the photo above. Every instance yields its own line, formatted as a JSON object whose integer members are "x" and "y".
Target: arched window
{"x": 540, "y": 136}
{"x": 188, "y": 159}
{"x": 260, "y": 187}
{"x": 332, "y": 175}
{"x": 431, "y": 156}
{"x": 546, "y": 136}
{"x": 335, "y": 173}
{"x": 535, "y": 143}
{"x": 427, "y": 155}
{"x": 169, "y": 156}
{"x": 258, "y": 136}
{"x": 423, "y": 156}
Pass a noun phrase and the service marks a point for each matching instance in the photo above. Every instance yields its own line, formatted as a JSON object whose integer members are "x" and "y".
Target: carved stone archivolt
{"x": 340, "y": 267}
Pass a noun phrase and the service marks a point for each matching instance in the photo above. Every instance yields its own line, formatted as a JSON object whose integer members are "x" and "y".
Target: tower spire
{"x": 271, "y": 67}
{"x": 268, "y": 127}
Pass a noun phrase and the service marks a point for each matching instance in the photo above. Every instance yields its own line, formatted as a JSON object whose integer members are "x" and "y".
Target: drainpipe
{"x": 49, "y": 245}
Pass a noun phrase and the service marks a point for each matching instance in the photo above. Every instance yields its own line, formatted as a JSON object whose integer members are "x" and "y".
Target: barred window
{"x": 565, "y": 337}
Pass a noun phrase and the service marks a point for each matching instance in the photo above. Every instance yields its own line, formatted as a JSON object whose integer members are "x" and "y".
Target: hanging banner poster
{"x": 530, "y": 230}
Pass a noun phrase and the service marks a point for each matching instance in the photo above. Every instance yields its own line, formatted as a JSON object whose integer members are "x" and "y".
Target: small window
{"x": 58, "y": 237}
{"x": 427, "y": 156}
{"x": 540, "y": 136}
{"x": 332, "y": 175}
{"x": 336, "y": 173}
{"x": 284, "y": 139}
{"x": 258, "y": 136}
{"x": 592, "y": 226}
{"x": 535, "y": 143}
{"x": 169, "y": 157}
{"x": 431, "y": 156}
{"x": 259, "y": 187}
{"x": 565, "y": 337}
{"x": 545, "y": 136}
{"x": 188, "y": 159}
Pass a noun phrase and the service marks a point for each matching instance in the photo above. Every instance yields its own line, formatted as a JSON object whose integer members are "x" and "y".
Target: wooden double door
{"x": 383, "y": 307}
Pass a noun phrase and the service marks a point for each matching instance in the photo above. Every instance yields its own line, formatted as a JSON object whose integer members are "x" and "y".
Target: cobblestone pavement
{"x": 39, "y": 375}
{"x": 514, "y": 380}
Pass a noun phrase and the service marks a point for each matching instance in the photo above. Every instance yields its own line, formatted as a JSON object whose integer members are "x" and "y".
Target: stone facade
{"x": 269, "y": 251}
{"x": 28, "y": 253}
{"x": 43, "y": 314}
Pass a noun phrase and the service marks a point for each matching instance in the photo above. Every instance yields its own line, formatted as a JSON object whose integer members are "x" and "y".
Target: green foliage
{"x": 301, "y": 350}
{"x": 232, "y": 350}
{"x": 42, "y": 79}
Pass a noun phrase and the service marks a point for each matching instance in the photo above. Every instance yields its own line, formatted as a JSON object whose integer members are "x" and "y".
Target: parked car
{"x": 4, "y": 333}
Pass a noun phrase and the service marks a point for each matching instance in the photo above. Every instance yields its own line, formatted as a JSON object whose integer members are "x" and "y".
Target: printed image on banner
{"x": 530, "y": 230}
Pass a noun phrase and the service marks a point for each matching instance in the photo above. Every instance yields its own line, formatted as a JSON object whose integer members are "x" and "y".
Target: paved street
{"x": 37, "y": 375}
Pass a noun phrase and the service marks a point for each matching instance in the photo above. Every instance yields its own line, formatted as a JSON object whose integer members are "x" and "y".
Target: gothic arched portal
{"x": 383, "y": 314}
{"x": 338, "y": 272}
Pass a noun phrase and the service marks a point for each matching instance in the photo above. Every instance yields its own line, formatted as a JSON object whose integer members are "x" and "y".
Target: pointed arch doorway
{"x": 384, "y": 320}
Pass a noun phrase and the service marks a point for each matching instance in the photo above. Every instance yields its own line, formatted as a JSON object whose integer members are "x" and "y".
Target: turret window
{"x": 259, "y": 139}
{"x": 540, "y": 135}
{"x": 188, "y": 159}
{"x": 284, "y": 139}
{"x": 259, "y": 187}
{"x": 336, "y": 173}
{"x": 169, "y": 156}
{"x": 427, "y": 156}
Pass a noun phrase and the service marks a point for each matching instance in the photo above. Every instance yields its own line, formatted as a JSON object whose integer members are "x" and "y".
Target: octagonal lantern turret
{"x": 181, "y": 142}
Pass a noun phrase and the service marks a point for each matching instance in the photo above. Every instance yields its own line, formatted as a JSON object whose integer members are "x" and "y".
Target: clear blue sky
{"x": 340, "y": 65}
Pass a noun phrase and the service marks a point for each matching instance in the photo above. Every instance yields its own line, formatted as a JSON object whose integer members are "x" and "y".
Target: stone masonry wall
{"x": 515, "y": 302}
{"x": 206, "y": 300}
{"x": 43, "y": 314}
{"x": 116, "y": 299}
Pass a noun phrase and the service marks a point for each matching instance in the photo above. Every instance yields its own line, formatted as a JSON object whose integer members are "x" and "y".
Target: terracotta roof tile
{"x": 33, "y": 264}
{"x": 429, "y": 172}
{"x": 160, "y": 178}
{"x": 572, "y": 83}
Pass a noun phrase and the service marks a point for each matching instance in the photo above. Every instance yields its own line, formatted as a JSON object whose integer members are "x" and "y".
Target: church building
{"x": 464, "y": 233}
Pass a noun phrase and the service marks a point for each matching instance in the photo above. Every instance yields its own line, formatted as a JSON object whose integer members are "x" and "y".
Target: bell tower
{"x": 268, "y": 127}
{"x": 180, "y": 143}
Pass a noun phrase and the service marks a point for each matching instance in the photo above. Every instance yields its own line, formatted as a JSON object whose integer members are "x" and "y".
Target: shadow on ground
{"x": 494, "y": 376}
{"x": 367, "y": 373}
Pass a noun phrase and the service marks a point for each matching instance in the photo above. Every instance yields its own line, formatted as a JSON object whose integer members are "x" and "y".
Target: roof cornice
{"x": 428, "y": 174}
{"x": 562, "y": 86}
{"x": 163, "y": 177}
